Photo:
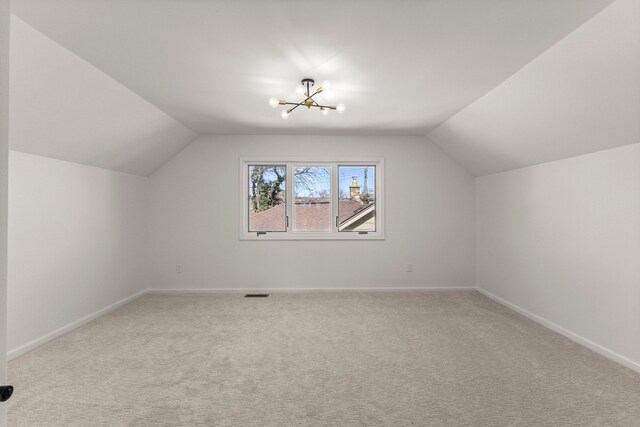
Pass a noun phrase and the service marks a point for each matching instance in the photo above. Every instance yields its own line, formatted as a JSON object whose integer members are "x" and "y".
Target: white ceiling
{"x": 65, "y": 108}
{"x": 122, "y": 78}
{"x": 580, "y": 96}
{"x": 401, "y": 67}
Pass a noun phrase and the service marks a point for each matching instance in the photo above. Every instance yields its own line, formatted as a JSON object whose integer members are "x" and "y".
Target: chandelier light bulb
{"x": 324, "y": 111}
{"x": 300, "y": 89}
{"x": 340, "y": 108}
{"x": 284, "y": 114}
{"x": 274, "y": 102}
{"x": 326, "y": 85}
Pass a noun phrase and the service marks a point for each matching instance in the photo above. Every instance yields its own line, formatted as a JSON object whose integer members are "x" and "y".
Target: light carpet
{"x": 324, "y": 359}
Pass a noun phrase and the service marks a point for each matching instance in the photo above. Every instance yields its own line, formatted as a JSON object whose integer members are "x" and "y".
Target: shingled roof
{"x": 311, "y": 215}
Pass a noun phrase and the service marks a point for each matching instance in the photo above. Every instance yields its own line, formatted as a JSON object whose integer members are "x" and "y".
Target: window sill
{"x": 312, "y": 236}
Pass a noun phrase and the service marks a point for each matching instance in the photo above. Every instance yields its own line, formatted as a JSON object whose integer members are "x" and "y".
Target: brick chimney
{"x": 354, "y": 189}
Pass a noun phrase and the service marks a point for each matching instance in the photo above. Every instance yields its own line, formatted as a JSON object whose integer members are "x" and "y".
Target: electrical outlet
{"x": 409, "y": 268}
{"x": 179, "y": 269}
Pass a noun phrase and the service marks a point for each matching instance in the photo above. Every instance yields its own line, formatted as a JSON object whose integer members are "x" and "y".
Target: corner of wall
{"x": 453, "y": 159}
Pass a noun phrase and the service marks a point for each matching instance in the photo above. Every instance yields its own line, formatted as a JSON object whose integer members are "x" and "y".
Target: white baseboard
{"x": 306, "y": 290}
{"x": 71, "y": 326}
{"x": 562, "y": 331}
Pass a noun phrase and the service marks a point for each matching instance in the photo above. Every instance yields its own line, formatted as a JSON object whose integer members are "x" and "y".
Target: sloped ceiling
{"x": 401, "y": 67}
{"x": 65, "y": 108}
{"x": 580, "y": 96}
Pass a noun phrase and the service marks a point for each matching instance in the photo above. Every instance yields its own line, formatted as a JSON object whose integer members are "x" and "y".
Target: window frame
{"x": 291, "y": 162}
{"x": 293, "y": 215}
{"x": 286, "y": 195}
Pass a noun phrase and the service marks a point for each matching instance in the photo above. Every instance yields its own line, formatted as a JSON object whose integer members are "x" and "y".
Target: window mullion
{"x": 334, "y": 197}
{"x": 290, "y": 200}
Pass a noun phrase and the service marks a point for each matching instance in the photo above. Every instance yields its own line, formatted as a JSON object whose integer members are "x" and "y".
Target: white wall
{"x": 561, "y": 240}
{"x": 4, "y": 144}
{"x": 77, "y": 244}
{"x": 194, "y": 220}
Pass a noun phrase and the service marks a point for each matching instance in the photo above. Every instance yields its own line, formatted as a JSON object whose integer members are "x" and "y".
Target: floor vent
{"x": 256, "y": 295}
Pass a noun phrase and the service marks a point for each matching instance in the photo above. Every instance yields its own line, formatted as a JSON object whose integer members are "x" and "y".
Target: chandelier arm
{"x": 293, "y": 108}
{"x": 310, "y": 97}
{"x": 303, "y": 102}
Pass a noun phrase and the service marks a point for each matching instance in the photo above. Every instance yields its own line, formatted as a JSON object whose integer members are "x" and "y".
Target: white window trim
{"x": 334, "y": 162}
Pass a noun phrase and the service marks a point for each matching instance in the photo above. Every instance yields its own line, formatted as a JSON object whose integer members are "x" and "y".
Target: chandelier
{"x": 305, "y": 89}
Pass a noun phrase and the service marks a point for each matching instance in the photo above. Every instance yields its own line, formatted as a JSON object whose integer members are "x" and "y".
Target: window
{"x": 313, "y": 199}
{"x": 357, "y": 198}
{"x": 267, "y": 197}
{"x": 312, "y": 204}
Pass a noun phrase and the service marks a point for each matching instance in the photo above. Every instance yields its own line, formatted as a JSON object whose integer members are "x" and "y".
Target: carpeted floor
{"x": 326, "y": 359}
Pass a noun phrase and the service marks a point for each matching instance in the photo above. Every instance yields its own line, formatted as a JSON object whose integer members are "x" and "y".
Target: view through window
{"x": 267, "y": 197}
{"x": 357, "y": 198}
{"x": 312, "y": 199}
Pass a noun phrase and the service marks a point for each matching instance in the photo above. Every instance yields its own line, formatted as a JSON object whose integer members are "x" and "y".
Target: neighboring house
{"x": 363, "y": 218}
{"x": 315, "y": 215}
{"x": 358, "y": 213}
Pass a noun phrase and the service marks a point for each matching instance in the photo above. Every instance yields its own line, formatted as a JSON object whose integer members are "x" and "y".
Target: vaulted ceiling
{"x": 498, "y": 84}
{"x": 580, "y": 96}
{"x": 60, "y": 106}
